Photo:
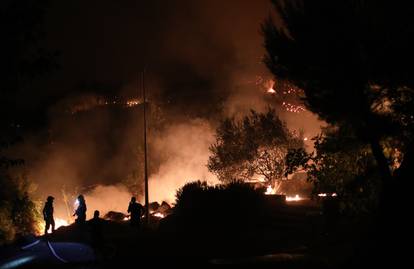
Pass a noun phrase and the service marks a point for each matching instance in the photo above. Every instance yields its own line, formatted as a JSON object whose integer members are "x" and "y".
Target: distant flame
{"x": 269, "y": 84}
{"x": 327, "y": 194}
{"x": 271, "y": 90}
{"x": 159, "y": 215}
{"x": 270, "y": 190}
{"x": 133, "y": 102}
{"x": 60, "y": 222}
{"x": 293, "y": 198}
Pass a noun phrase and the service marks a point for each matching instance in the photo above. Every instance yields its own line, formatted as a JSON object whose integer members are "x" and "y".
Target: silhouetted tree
{"x": 22, "y": 59}
{"x": 346, "y": 56}
{"x": 253, "y": 146}
{"x": 344, "y": 165}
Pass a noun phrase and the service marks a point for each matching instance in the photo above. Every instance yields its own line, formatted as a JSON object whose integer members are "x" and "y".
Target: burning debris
{"x": 160, "y": 211}
{"x": 88, "y": 102}
{"x": 293, "y": 198}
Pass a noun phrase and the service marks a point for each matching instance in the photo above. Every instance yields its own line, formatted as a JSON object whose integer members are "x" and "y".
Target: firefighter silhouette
{"x": 48, "y": 214}
{"x": 136, "y": 210}
{"x": 80, "y": 211}
{"x": 96, "y": 224}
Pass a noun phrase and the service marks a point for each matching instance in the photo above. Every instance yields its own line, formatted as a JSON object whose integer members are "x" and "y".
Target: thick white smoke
{"x": 185, "y": 149}
{"x": 107, "y": 198}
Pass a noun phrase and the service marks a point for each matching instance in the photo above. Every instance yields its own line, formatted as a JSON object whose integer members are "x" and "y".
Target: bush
{"x": 18, "y": 214}
{"x": 218, "y": 209}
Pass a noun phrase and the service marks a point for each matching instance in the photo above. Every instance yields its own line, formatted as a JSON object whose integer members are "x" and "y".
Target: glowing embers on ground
{"x": 293, "y": 108}
{"x": 133, "y": 102}
{"x": 95, "y": 102}
{"x": 158, "y": 215}
{"x": 327, "y": 194}
{"x": 272, "y": 191}
{"x": 293, "y": 198}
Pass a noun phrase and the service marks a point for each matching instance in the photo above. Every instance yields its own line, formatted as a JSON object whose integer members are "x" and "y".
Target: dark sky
{"x": 191, "y": 49}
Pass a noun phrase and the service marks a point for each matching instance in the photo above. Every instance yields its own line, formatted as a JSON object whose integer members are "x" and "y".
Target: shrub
{"x": 218, "y": 209}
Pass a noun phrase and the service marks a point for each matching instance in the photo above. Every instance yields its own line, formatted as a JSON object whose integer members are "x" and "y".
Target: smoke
{"x": 200, "y": 68}
{"x": 250, "y": 91}
{"x": 185, "y": 148}
{"x": 107, "y": 198}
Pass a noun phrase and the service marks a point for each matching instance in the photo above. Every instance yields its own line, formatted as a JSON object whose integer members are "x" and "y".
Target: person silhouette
{"x": 136, "y": 210}
{"x": 48, "y": 214}
{"x": 80, "y": 211}
{"x": 96, "y": 224}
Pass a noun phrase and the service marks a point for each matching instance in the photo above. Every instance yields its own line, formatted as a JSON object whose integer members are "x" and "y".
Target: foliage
{"x": 338, "y": 63}
{"x": 348, "y": 66}
{"x": 344, "y": 165}
{"x": 254, "y": 146}
{"x": 22, "y": 59}
{"x": 19, "y": 215}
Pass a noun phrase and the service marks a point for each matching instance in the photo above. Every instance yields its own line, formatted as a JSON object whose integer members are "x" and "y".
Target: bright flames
{"x": 270, "y": 190}
{"x": 58, "y": 223}
{"x": 327, "y": 194}
{"x": 293, "y": 198}
{"x": 159, "y": 215}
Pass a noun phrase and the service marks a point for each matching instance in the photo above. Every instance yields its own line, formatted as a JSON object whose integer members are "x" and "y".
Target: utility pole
{"x": 145, "y": 149}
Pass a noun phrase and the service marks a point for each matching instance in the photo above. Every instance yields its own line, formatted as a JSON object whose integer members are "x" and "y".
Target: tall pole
{"x": 145, "y": 149}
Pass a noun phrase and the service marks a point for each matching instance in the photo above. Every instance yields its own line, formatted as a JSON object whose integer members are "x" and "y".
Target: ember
{"x": 327, "y": 194}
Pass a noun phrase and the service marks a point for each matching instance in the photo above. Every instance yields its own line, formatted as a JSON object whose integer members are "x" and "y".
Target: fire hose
{"x": 49, "y": 245}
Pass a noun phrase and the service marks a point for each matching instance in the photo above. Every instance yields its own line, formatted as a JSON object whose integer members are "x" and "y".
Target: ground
{"x": 292, "y": 236}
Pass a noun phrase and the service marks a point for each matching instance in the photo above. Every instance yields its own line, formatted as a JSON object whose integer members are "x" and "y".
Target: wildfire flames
{"x": 133, "y": 102}
{"x": 293, "y": 108}
{"x": 159, "y": 215}
{"x": 293, "y": 198}
{"x": 270, "y": 190}
{"x": 58, "y": 223}
{"x": 93, "y": 102}
{"x": 327, "y": 194}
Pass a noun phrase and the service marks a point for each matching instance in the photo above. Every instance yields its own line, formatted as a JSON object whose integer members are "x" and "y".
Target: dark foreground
{"x": 292, "y": 236}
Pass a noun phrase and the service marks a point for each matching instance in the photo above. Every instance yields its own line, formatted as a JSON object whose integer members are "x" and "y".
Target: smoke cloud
{"x": 185, "y": 149}
{"x": 200, "y": 68}
{"x": 107, "y": 198}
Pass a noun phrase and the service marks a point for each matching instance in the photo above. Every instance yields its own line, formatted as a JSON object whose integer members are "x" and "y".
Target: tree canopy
{"x": 348, "y": 57}
{"x": 254, "y": 146}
